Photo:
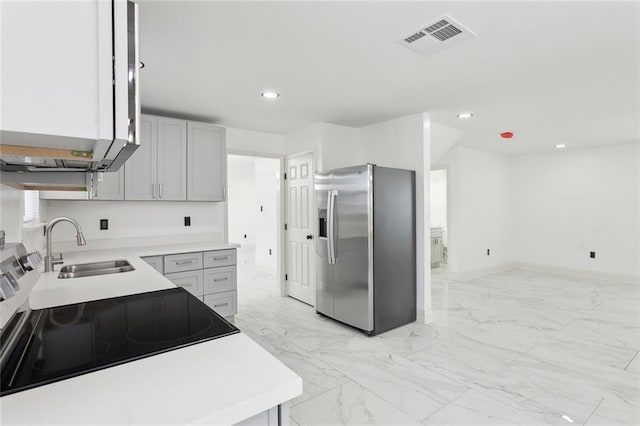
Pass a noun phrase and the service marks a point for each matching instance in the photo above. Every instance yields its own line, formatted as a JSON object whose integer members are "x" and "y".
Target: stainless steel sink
{"x": 96, "y": 268}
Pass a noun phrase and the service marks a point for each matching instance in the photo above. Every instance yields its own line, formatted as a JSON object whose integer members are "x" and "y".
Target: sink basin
{"x": 96, "y": 268}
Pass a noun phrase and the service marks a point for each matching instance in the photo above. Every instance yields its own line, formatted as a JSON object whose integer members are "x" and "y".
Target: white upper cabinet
{"x": 172, "y": 159}
{"x": 52, "y": 81}
{"x": 141, "y": 170}
{"x": 207, "y": 162}
{"x": 110, "y": 186}
{"x": 69, "y": 76}
{"x": 158, "y": 169}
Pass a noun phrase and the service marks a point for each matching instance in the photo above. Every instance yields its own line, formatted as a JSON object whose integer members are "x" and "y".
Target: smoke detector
{"x": 438, "y": 35}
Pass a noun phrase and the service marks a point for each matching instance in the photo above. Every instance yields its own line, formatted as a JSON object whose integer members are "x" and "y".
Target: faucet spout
{"x": 48, "y": 260}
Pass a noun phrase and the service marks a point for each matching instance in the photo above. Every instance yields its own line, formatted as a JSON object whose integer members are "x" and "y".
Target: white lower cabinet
{"x": 217, "y": 280}
{"x": 216, "y": 284}
{"x": 156, "y": 262}
{"x": 226, "y": 304}
{"x": 190, "y": 281}
{"x": 275, "y": 416}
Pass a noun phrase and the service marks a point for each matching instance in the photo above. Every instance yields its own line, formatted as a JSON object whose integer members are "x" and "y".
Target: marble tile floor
{"x": 516, "y": 347}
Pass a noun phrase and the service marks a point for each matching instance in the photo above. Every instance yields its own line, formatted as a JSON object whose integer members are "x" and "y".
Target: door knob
{"x": 309, "y": 237}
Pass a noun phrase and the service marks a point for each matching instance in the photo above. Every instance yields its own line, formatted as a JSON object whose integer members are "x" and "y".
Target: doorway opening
{"x": 254, "y": 219}
{"x": 439, "y": 225}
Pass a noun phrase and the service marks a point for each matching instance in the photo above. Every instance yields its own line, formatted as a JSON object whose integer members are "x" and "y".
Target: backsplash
{"x": 137, "y": 218}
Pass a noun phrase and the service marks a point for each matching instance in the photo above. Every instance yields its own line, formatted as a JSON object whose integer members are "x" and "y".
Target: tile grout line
{"x": 325, "y": 391}
{"x": 631, "y": 360}
{"x": 593, "y": 412}
{"x": 521, "y": 355}
{"x": 445, "y": 405}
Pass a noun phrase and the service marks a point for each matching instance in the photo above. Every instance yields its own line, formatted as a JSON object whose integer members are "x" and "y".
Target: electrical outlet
{"x": 187, "y": 221}
{"x": 245, "y": 235}
{"x": 269, "y": 252}
{"x": 104, "y": 224}
{"x": 261, "y": 208}
{"x": 592, "y": 254}
{"x": 488, "y": 252}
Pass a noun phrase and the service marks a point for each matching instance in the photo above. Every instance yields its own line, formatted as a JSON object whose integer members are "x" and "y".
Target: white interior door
{"x": 300, "y": 268}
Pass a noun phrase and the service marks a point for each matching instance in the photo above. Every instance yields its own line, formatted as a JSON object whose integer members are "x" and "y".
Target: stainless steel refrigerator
{"x": 366, "y": 246}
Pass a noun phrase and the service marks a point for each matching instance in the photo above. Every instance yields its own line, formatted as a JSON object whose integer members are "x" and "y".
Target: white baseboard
{"x": 578, "y": 273}
{"x": 425, "y": 316}
{"x": 473, "y": 275}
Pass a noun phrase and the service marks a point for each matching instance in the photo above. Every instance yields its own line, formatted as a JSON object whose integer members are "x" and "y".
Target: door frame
{"x": 314, "y": 220}
{"x": 280, "y": 254}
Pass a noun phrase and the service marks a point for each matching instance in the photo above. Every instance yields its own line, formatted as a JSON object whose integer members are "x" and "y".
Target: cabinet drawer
{"x": 190, "y": 281}
{"x": 182, "y": 262}
{"x": 226, "y": 304}
{"x": 217, "y": 280}
{"x": 213, "y": 259}
{"x": 156, "y": 262}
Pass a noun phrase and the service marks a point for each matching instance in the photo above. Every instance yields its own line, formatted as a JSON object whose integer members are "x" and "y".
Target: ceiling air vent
{"x": 414, "y": 37}
{"x": 442, "y": 33}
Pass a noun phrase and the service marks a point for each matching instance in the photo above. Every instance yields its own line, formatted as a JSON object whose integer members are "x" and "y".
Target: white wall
{"x": 137, "y": 219}
{"x": 332, "y": 146}
{"x": 307, "y": 139}
{"x": 241, "y": 178}
{"x": 479, "y": 210}
{"x": 267, "y": 185}
{"x": 249, "y": 141}
{"x": 340, "y": 146}
{"x": 404, "y": 143}
{"x": 567, "y": 204}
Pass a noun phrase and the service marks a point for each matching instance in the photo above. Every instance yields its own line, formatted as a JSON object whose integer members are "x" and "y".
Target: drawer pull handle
{"x": 220, "y": 279}
{"x": 184, "y": 262}
{"x": 221, "y": 304}
{"x": 220, "y": 257}
{"x": 184, "y": 285}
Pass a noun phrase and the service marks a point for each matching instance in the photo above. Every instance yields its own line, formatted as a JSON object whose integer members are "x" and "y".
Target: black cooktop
{"x": 67, "y": 341}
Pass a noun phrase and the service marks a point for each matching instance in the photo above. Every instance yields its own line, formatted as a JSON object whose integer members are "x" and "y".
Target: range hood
{"x": 65, "y": 122}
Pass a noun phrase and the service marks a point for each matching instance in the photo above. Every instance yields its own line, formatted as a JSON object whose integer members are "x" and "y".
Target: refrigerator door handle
{"x": 334, "y": 227}
{"x": 330, "y": 226}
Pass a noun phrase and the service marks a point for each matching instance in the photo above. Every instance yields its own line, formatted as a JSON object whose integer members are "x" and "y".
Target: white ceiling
{"x": 548, "y": 71}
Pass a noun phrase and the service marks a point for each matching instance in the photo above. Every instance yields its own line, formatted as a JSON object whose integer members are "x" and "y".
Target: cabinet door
{"x": 226, "y": 304}
{"x": 156, "y": 262}
{"x": 217, "y": 280}
{"x": 56, "y": 70}
{"x": 190, "y": 281}
{"x": 216, "y": 258}
{"x": 140, "y": 170}
{"x": 183, "y": 262}
{"x": 110, "y": 186}
{"x": 172, "y": 159}
{"x": 206, "y": 162}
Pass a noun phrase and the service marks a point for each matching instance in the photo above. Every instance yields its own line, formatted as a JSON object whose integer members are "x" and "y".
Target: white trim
{"x": 425, "y": 316}
{"x": 578, "y": 273}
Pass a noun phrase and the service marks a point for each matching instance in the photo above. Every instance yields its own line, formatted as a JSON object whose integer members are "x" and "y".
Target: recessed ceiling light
{"x": 465, "y": 115}
{"x": 270, "y": 94}
{"x": 561, "y": 145}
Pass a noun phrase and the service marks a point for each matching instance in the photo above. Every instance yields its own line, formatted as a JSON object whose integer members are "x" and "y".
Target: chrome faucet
{"x": 49, "y": 260}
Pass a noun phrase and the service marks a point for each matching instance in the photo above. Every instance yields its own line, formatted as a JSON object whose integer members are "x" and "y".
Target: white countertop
{"x": 51, "y": 291}
{"x": 219, "y": 382}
